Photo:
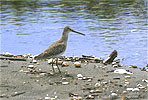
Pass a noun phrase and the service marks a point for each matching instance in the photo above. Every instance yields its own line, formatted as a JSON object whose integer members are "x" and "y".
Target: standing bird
{"x": 57, "y": 48}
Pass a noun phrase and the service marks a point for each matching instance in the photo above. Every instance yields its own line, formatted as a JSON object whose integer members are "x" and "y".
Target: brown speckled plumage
{"x": 57, "y": 48}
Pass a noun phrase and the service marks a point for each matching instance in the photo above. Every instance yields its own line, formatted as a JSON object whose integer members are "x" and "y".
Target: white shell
{"x": 135, "y": 90}
{"x": 34, "y": 61}
{"x": 30, "y": 66}
{"x": 122, "y": 71}
{"x": 65, "y": 83}
{"x": 114, "y": 94}
{"x": 80, "y": 76}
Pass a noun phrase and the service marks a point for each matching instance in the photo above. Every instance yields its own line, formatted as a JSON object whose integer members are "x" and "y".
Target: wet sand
{"x": 95, "y": 81}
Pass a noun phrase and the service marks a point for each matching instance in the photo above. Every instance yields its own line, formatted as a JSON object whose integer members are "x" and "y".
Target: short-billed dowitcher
{"x": 57, "y": 48}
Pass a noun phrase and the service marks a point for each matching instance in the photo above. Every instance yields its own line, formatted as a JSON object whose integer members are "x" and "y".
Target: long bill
{"x": 76, "y": 32}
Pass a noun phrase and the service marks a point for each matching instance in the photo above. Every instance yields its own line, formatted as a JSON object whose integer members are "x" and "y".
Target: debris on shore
{"x": 82, "y": 78}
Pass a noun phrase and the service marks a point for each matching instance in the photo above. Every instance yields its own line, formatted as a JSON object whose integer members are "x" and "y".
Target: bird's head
{"x": 68, "y": 29}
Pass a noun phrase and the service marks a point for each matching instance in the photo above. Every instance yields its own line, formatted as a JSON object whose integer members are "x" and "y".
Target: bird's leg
{"x": 57, "y": 65}
{"x": 52, "y": 66}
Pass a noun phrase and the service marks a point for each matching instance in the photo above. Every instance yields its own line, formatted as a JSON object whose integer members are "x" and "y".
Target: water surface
{"x": 30, "y": 26}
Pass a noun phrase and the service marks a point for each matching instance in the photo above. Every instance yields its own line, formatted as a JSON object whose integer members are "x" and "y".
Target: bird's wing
{"x": 52, "y": 51}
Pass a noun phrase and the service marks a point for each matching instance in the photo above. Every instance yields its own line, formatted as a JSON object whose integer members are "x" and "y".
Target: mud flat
{"x": 83, "y": 78}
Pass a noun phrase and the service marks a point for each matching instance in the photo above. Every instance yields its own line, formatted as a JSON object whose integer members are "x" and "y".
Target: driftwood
{"x": 111, "y": 57}
{"x": 12, "y": 58}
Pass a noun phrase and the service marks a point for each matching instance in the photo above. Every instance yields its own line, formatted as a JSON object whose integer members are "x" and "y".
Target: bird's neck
{"x": 64, "y": 37}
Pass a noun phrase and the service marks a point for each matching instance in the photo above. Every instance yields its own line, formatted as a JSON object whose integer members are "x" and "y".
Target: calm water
{"x": 31, "y": 26}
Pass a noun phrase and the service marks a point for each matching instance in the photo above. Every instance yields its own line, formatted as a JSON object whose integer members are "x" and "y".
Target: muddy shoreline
{"x": 28, "y": 80}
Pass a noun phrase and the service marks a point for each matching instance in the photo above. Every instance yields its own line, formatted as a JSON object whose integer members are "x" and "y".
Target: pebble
{"x": 37, "y": 63}
{"x": 30, "y": 66}
{"x": 73, "y": 94}
{"x": 141, "y": 86}
{"x": 133, "y": 66}
{"x": 52, "y": 98}
{"x": 89, "y": 80}
{"x": 65, "y": 64}
{"x": 104, "y": 82}
{"x": 89, "y": 97}
{"x": 65, "y": 83}
{"x": 77, "y": 64}
{"x": 97, "y": 85}
{"x": 114, "y": 63}
{"x": 34, "y": 61}
{"x": 116, "y": 78}
{"x": 51, "y": 61}
{"x": 60, "y": 62}
{"x": 96, "y": 91}
{"x": 127, "y": 83}
{"x": 145, "y": 80}
{"x": 80, "y": 76}
{"x": 47, "y": 98}
{"x": 135, "y": 90}
{"x": 43, "y": 74}
{"x": 24, "y": 82}
{"x": 55, "y": 67}
{"x": 114, "y": 94}
{"x": 122, "y": 71}
{"x": 129, "y": 89}
{"x": 63, "y": 79}
{"x": 115, "y": 66}
{"x": 127, "y": 77}
{"x": 76, "y": 98}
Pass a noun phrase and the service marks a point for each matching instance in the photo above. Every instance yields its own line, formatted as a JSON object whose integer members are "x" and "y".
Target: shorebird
{"x": 57, "y": 48}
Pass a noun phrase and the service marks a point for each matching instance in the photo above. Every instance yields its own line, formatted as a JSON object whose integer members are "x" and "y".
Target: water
{"x": 31, "y": 26}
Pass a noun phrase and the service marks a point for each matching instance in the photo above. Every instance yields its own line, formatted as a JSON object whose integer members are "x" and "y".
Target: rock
{"x": 135, "y": 90}
{"x": 76, "y": 98}
{"x": 37, "y": 63}
{"x": 47, "y": 98}
{"x": 144, "y": 80}
{"x": 65, "y": 83}
{"x": 96, "y": 91}
{"x": 115, "y": 66}
{"x": 72, "y": 94}
{"x": 77, "y": 64}
{"x": 55, "y": 67}
{"x": 98, "y": 60}
{"x": 89, "y": 80}
{"x": 34, "y": 61}
{"x": 133, "y": 66}
{"x": 31, "y": 66}
{"x": 26, "y": 55}
{"x": 80, "y": 76}
{"x": 116, "y": 78}
{"x": 127, "y": 77}
{"x": 65, "y": 64}
{"x": 89, "y": 97}
{"x": 60, "y": 62}
{"x": 51, "y": 61}
{"x": 97, "y": 85}
{"x": 114, "y": 95}
{"x": 129, "y": 89}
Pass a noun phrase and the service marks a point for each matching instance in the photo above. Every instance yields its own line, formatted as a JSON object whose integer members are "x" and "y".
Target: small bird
{"x": 57, "y": 48}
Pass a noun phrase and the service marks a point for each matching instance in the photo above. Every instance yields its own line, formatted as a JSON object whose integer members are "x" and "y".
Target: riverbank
{"x": 88, "y": 79}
